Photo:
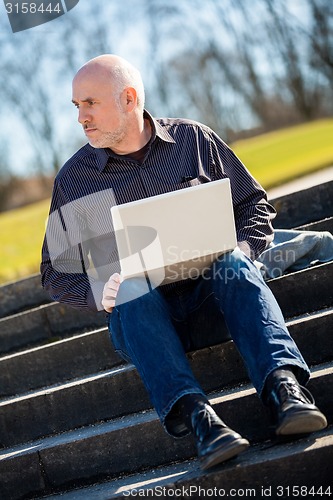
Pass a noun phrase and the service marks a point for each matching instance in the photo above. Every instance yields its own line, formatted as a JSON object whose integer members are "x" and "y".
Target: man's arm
{"x": 65, "y": 259}
{"x": 253, "y": 213}
{"x": 69, "y": 287}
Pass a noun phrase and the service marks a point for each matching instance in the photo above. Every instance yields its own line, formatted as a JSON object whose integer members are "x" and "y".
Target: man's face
{"x": 101, "y": 115}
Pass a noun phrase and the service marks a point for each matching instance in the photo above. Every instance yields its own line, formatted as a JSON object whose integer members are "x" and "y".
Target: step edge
{"x": 216, "y": 398}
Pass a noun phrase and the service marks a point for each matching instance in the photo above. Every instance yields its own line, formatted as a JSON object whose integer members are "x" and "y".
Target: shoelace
{"x": 205, "y": 421}
{"x": 298, "y": 392}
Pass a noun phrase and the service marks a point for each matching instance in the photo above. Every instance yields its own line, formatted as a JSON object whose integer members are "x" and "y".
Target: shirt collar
{"x": 103, "y": 154}
{"x": 158, "y": 129}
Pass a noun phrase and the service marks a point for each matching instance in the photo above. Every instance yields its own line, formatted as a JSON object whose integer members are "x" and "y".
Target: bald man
{"x": 114, "y": 119}
{"x": 131, "y": 155}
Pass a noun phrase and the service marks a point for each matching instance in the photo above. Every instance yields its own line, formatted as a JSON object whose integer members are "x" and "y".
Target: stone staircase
{"x": 76, "y": 423}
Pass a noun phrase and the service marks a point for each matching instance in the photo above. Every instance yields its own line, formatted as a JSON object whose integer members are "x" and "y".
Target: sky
{"x": 131, "y": 44}
{"x": 69, "y": 131}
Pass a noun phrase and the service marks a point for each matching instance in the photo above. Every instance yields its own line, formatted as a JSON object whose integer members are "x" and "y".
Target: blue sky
{"x": 128, "y": 40}
{"x": 69, "y": 131}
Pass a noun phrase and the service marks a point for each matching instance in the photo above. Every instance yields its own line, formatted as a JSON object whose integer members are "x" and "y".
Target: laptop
{"x": 175, "y": 235}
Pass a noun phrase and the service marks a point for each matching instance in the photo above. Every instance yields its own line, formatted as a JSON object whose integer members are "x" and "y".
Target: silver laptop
{"x": 176, "y": 235}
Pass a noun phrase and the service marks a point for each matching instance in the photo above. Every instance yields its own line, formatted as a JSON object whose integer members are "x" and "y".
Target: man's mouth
{"x": 88, "y": 130}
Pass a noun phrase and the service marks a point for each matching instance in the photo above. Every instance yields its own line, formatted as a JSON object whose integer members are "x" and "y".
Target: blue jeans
{"x": 154, "y": 330}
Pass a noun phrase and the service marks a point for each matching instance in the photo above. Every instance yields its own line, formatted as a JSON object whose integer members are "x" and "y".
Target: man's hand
{"x": 110, "y": 292}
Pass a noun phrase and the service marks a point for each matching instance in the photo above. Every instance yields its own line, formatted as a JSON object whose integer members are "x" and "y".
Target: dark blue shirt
{"x": 79, "y": 252}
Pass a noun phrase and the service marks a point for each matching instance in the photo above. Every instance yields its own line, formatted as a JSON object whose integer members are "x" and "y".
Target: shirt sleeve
{"x": 65, "y": 258}
{"x": 253, "y": 213}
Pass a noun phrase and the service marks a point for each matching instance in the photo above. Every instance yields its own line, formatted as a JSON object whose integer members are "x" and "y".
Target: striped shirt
{"x": 79, "y": 252}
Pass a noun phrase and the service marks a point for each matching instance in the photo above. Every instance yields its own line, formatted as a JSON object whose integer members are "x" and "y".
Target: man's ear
{"x": 130, "y": 98}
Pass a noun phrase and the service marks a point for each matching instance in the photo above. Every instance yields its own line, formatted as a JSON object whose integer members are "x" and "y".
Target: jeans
{"x": 154, "y": 330}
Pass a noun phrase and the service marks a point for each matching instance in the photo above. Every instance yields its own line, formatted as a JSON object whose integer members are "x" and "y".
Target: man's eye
{"x": 91, "y": 103}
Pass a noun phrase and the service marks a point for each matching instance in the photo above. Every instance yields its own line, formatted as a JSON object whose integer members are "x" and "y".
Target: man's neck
{"x": 146, "y": 132}
{"x": 139, "y": 137}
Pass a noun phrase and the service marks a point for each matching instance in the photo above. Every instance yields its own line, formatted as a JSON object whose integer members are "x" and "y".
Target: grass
{"x": 22, "y": 232}
{"x": 283, "y": 155}
{"x": 272, "y": 158}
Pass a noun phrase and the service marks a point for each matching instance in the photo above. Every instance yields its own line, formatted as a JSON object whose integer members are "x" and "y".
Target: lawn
{"x": 283, "y": 155}
{"x": 22, "y": 233}
{"x": 272, "y": 158}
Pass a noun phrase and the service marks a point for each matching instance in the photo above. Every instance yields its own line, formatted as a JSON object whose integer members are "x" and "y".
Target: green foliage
{"x": 272, "y": 158}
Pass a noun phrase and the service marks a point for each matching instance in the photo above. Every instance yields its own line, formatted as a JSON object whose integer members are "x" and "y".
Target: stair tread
{"x": 241, "y": 390}
{"x": 188, "y": 472}
{"x": 81, "y": 336}
{"x": 115, "y": 424}
{"x": 56, "y": 343}
{"x": 91, "y": 438}
{"x": 90, "y": 376}
{"x": 84, "y": 400}
{"x": 305, "y": 206}
{"x": 51, "y": 389}
{"x": 99, "y": 428}
{"x": 47, "y": 323}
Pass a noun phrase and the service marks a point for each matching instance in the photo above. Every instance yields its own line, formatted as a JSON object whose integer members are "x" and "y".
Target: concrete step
{"x": 275, "y": 470}
{"x": 82, "y": 355}
{"x": 108, "y": 449}
{"x": 303, "y": 207}
{"x": 88, "y": 353}
{"x": 57, "y": 362}
{"x": 45, "y": 324}
{"x": 119, "y": 391}
{"x": 304, "y": 291}
{"x": 73, "y": 414}
{"x": 55, "y": 321}
{"x": 321, "y": 225}
{"x": 21, "y": 295}
{"x": 311, "y": 332}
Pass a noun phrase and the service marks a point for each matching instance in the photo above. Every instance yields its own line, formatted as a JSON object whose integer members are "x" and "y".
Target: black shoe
{"x": 293, "y": 409}
{"x": 216, "y": 443}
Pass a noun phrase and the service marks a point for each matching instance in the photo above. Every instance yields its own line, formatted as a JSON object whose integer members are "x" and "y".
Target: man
{"x": 130, "y": 156}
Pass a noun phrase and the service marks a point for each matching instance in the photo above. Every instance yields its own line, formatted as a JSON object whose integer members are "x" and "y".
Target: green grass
{"x": 22, "y": 232}
{"x": 283, "y": 155}
{"x": 272, "y": 158}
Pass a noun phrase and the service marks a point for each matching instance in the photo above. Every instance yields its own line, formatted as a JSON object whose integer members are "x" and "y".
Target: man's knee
{"x": 131, "y": 289}
{"x": 232, "y": 266}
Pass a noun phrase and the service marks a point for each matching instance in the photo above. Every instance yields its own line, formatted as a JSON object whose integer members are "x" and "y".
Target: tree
{"x": 231, "y": 64}
{"x": 32, "y": 68}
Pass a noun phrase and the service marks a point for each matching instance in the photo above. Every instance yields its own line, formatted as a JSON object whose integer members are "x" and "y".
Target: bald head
{"x": 121, "y": 73}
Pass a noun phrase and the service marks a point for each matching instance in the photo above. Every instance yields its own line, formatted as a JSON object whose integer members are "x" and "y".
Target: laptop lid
{"x": 175, "y": 235}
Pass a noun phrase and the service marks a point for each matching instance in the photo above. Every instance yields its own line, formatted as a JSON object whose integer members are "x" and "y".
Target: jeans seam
{"x": 202, "y": 302}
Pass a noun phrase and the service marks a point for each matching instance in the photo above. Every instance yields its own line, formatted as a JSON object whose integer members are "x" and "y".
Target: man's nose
{"x": 83, "y": 116}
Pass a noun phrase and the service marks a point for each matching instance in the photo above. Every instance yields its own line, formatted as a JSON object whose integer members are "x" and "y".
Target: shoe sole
{"x": 301, "y": 423}
{"x": 224, "y": 453}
